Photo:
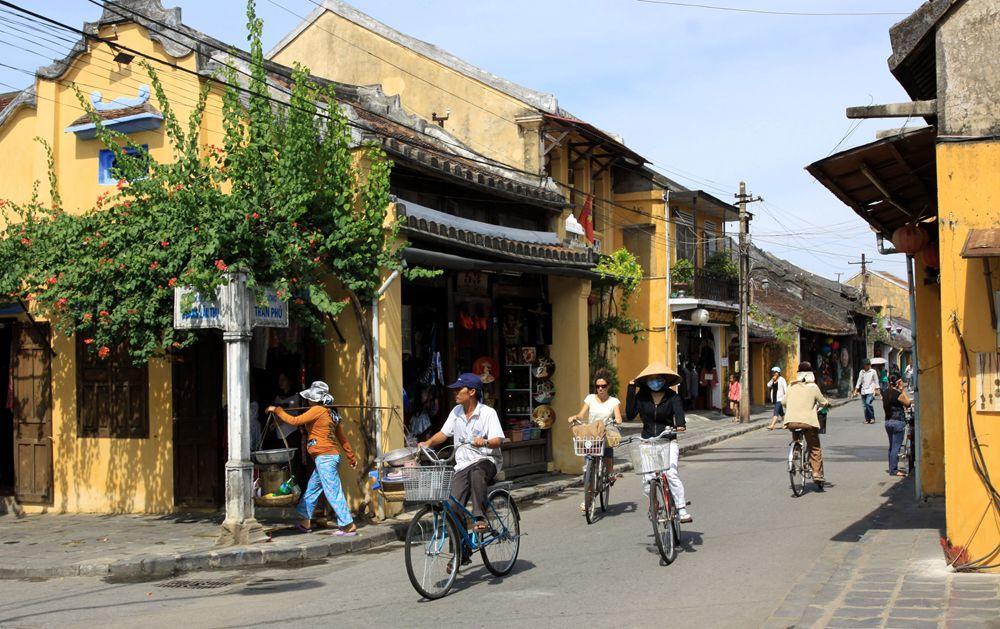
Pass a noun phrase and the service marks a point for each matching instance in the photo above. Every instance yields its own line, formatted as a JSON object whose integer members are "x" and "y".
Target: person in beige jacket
{"x": 802, "y": 401}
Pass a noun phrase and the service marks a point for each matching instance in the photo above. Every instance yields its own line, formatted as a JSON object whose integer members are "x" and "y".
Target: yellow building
{"x": 889, "y": 297}
{"x": 104, "y": 436}
{"x": 528, "y": 130}
{"x": 943, "y": 180}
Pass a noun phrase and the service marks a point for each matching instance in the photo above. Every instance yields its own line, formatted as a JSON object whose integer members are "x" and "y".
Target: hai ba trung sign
{"x": 194, "y": 311}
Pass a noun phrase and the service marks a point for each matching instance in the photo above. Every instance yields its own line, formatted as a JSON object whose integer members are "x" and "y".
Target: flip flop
{"x": 302, "y": 529}
{"x": 343, "y": 533}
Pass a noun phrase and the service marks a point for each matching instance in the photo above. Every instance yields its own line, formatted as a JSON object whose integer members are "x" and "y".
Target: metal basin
{"x": 273, "y": 457}
{"x": 400, "y": 456}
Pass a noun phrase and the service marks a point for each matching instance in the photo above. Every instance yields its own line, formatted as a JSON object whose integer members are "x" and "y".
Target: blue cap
{"x": 469, "y": 380}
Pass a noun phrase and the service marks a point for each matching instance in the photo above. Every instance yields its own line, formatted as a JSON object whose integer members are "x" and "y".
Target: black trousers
{"x": 474, "y": 481}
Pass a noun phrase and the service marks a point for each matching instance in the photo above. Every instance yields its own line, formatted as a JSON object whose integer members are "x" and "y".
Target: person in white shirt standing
{"x": 777, "y": 387}
{"x": 472, "y": 423}
{"x": 867, "y": 386}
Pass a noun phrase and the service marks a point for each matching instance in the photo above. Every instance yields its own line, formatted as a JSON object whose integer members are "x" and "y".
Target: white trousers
{"x": 673, "y": 479}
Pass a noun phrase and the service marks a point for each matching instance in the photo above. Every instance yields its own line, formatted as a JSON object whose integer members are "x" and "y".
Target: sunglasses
{"x": 601, "y": 386}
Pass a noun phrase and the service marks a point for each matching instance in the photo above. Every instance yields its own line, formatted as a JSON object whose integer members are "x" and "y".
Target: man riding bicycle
{"x": 802, "y": 401}
{"x": 472, "y": 422}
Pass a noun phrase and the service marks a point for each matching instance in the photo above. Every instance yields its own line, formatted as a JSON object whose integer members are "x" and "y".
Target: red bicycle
{"x": 652, "y": 458}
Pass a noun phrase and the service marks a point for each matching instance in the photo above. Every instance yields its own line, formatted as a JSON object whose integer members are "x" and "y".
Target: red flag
{"x": 586, "y": 219}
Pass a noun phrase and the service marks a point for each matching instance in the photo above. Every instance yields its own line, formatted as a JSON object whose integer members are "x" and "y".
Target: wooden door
{"x": 31, "y": 371}
{"x": 197, "y": 393}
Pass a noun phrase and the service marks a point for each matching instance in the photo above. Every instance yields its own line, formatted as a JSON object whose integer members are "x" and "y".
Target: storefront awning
{"x": 889, "y": 182}
{"x": 438, "y": 260}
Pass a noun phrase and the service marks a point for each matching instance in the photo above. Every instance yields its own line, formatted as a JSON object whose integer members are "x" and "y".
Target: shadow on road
{"x": 276, "y": 586}
{"x": 479, "y": 575}
{"x": 900, "y": 511}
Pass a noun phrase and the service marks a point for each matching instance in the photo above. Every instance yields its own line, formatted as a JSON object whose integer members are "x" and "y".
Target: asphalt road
{"x": 748, "y": 545}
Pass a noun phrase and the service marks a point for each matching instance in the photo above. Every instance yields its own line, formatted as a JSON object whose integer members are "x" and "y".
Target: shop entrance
{"x": 198, "y": 421}
{"x": 698, "y": 358}
{"x": 26, "y": 415}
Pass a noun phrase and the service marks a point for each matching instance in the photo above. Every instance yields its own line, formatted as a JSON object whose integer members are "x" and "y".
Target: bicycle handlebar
{"x": 433, "y": 457}
{"x": 666, "y": 435}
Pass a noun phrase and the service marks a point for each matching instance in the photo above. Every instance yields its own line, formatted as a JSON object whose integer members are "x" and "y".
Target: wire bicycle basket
{"x": 588, "y": 446}
{"x": 428, "y": 483}
{"x": 649, "y": 457}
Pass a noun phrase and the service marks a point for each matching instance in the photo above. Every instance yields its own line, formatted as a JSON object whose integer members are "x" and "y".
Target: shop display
{"x": 545, "y": 390}
{"x": 485, "y": 367}
{"x": 543, "y": 416}
{"x": 544, "y": 367}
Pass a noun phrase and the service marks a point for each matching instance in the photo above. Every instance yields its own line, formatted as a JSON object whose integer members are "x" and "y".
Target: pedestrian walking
{"x": 734, "y": 396}
{"x": 908, "y": 377}
{"x": 777, "y": 387}
{"x": 802, "y": 402}
{"x": 323, "y": 424}
{"x": 895, "y": 402}
{"x": 866, "y": 386}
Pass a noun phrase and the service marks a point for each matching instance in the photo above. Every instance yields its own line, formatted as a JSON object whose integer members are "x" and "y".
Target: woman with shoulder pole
{"x": 322, "y": 424}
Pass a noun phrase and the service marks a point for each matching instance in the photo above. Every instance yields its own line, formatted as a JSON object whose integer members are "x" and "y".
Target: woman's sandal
{"x": 343, "y": 533}
{"x": 302, "y": 529}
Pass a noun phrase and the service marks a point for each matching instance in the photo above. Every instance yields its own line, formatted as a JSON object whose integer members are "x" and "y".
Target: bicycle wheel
{"x": 663, "y": 524}
{"x": 433, "y": 552}
{"x": 796, "y": 469}
{"x": 605, "y": 488}
{"x": 500, "y": 552}
{"x": 590, "y": 489}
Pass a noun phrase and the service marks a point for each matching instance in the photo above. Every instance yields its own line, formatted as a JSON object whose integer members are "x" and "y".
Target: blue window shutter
{"x": 106, "y": 163}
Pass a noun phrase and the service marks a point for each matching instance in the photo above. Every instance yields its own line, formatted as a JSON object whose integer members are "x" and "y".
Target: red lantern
{"x": 909, "y": 239}
{"x": 931, "y": 255}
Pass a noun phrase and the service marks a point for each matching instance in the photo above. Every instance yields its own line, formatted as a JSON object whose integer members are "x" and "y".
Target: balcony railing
{"x": 707, "y": 285}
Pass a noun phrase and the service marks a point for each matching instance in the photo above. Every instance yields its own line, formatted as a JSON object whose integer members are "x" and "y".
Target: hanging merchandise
{"x": 543, "y": 416}
{"x": 486, "y": 368}
{"x": 545, "y": 390}
{"x": 544, "y": 367}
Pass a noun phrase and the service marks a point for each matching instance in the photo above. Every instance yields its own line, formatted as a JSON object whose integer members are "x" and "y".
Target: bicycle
{"x": 798, "y": 470}
{"x": 652, "y": 457}
{"x": 595, "y": 474}
{"x": 438, "y": 533}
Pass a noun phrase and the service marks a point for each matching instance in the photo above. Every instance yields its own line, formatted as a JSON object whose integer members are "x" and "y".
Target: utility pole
{"x": 864, "y": 278}
{"x": 743, "y": 199}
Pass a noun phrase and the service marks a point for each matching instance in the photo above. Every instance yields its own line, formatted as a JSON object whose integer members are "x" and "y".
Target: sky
{"x": 710, "y": 97}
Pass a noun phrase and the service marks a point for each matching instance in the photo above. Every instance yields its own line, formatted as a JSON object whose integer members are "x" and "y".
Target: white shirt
{"x": 867, "y": 381}
{"x": 484, "y": 423}
{"x": 782, "y": 388}
{"x": 598, "y": 410}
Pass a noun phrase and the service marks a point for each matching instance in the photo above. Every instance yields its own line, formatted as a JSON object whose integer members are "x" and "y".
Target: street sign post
{"x": 234, "y": 310}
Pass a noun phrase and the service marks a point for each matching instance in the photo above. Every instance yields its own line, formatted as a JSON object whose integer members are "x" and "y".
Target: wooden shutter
{"x": 112, "y": 395}
{"x": 31, "y": 373}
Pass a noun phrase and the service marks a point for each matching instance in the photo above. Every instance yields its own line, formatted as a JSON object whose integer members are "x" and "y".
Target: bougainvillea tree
{"x": 283, "y": 197}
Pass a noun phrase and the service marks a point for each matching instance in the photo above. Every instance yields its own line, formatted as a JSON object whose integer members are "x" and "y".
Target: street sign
{"x": 194, "y": 311}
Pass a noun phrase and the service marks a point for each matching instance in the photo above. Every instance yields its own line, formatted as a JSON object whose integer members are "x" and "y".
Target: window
{"x": 112, "y": 394}
{"x": 639, "y": 241}
{"x": 106, "y": 164}
{"x": 711, "y": 239}
{"x": 687, "y": 245}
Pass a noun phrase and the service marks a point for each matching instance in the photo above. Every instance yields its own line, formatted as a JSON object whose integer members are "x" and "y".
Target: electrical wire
{"x": 770, "y": 12}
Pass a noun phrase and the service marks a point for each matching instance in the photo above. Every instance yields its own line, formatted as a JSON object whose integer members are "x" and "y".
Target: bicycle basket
{"x": 588, "y": 446}
{"x": 649, "y": 457}
{"x": 430, "y": 483}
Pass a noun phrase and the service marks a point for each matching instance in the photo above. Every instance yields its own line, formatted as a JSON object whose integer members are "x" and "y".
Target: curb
{"x": 160, "y": 566}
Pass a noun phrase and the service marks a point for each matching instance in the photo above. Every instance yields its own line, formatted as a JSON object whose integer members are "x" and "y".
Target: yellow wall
{"x": 968, "y": 197}
{"x": 883, "y": 293}
{"x": 930, "y": 383}
{"x": 569, "y": 351}
{"x": 338, "y": 49}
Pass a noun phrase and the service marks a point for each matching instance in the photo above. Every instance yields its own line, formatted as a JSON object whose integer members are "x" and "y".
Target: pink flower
{"x": 154, "y": 265}
{"x": 104, "y": 351}
{"x": 171, "y": 282}
{"x": 26, "y": 242}
{"x": 255, "y": 215}
{"x": 61, "y": 302}
{"x": 103, "y": 313}
{"x": 222, "y": 266}
{"x": 121, "y": 183}
{"x": 87, "y": 316}
{"x": 88, "y": 341}
{"x": 164, "y": 243}
{"x": 52, "y": 280}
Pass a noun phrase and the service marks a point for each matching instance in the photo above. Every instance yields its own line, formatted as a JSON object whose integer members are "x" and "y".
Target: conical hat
{"x": 657, "y": 368}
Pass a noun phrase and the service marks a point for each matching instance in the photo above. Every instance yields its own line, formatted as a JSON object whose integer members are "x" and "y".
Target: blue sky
{"x": 710, "y": 97}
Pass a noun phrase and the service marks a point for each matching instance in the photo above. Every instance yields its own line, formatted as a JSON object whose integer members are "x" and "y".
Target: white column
{"x": 240, "y": 526}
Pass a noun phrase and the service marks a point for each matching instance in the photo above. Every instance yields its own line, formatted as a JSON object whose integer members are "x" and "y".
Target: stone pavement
{"x": 139, "y": 546}
{"x": 888, "y": 571}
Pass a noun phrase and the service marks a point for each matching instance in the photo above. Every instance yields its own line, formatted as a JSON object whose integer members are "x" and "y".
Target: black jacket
{"x": 655, "y": 417}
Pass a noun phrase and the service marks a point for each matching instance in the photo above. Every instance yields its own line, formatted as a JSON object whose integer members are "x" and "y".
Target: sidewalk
{"x": 142, "y": 546}
{"x": 888, "y": 570}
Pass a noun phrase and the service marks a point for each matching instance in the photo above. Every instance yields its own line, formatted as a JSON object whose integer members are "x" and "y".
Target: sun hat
{"x": 658, "y": 368}
{"x": 318, "y": 391}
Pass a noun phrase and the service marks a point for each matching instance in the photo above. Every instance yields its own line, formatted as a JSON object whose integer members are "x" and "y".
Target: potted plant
{"x": 681, "y": 275}
{"x": 721, "y": 264}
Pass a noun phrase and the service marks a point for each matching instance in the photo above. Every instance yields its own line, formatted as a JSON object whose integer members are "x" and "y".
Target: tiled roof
{"x": 6, "y": 98}
{"x": 115, "y": 114}
{"x": 787, "y": 307}
{"x": 441, "y": 232}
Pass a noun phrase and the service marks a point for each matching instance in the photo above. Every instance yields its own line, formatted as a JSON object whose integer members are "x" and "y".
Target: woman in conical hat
{"x": 660, "y": 407}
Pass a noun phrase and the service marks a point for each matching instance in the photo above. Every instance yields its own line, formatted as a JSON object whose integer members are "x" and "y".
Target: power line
{"x": 769, "y": 12}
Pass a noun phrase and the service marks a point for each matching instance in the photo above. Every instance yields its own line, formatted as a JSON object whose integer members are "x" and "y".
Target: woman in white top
{"x": 598, "y": 407}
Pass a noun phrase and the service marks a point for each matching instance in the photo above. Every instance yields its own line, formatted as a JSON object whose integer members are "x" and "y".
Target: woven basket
{"x": 289, "y": 500}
